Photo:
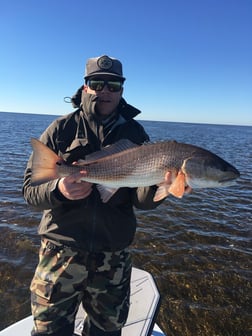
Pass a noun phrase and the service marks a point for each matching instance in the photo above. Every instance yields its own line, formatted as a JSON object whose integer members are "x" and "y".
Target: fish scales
{"x": 141, "y": 165}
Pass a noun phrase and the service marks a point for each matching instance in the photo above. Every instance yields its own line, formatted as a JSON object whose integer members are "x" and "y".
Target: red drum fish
{"x": 125, "y": 164}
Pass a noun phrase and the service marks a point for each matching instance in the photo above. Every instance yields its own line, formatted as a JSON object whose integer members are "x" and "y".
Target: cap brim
{"x": 95, "y": 74}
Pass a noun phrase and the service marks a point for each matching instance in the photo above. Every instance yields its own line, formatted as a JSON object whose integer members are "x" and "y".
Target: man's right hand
{"x": 73, "y": 188}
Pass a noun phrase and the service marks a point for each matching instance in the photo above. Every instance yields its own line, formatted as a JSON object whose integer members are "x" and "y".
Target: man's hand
{"x": 73, "y": 188}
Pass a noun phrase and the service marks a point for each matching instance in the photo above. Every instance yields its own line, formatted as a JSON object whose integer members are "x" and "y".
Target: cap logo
{"x": 105, "y": 63}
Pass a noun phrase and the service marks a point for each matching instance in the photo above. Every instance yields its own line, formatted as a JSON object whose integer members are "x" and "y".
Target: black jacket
{"x": 89, "y": 224}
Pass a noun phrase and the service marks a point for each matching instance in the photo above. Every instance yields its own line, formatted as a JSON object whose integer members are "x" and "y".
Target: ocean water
{"x": 198, "y": 248}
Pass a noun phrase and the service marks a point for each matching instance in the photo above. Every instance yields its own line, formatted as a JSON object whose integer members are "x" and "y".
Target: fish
{"x": 126, "y": 164}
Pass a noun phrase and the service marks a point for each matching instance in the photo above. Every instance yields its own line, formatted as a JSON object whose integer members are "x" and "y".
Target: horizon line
{"x": 140, "y": 119}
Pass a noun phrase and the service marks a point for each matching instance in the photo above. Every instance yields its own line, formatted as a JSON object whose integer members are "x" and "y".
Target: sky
{"x": 184, "y": 60}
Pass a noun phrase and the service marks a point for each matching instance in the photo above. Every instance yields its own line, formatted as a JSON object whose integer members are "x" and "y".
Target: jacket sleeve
{"x": 46, "y": 195}
{"x": 143, "y": 198}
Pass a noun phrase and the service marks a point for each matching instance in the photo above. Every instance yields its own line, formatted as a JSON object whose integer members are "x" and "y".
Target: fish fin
{"x": 162, "y": 192}
{"x": 44, "y": 163}
{"x": 163, "y": 187}
{"x": 177, "y": 188}
{"x": 115, "y": 148}
{"x": 105, "y": 192}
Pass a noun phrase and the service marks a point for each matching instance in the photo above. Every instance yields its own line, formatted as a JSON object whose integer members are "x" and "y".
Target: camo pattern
{"x": 66, "y": 277}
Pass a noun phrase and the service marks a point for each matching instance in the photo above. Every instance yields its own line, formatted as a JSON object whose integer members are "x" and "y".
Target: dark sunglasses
{"x": 99, "y": 84}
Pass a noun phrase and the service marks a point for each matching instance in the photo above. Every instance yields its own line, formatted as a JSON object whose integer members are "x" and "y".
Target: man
{"x": 84, "y": 255}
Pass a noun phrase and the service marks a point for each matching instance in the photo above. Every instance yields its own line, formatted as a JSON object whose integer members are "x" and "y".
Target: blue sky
{"x": 184, "y": 60}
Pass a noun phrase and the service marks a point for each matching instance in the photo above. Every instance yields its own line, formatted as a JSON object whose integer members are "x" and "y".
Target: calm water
{"x": 198, "y": 248}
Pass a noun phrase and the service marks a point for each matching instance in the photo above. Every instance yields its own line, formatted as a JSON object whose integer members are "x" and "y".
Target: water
{"x": 198, "y": 248}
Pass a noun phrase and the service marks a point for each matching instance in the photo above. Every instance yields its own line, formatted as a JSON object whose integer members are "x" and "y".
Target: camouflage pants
{"x": 65, "y": 277}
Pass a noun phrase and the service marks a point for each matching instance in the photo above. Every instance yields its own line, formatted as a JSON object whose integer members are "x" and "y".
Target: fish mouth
{"x": 227, "y": 181}
{"x": 232, "y": 175}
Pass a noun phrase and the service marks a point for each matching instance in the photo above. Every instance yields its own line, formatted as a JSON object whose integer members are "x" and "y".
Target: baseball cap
{"x": 104, "y": 65}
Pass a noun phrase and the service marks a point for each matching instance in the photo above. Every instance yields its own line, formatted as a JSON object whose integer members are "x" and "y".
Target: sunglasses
{"x": 99, "y": 84}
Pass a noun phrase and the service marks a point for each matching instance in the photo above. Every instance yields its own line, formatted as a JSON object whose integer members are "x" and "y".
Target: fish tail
{"x": 44, "y": 163}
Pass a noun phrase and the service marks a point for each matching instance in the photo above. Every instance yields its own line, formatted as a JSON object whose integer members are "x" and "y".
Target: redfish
{"x": 125, "y": 164}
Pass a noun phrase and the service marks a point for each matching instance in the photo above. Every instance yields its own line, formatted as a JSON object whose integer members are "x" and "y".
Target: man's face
{"x": 109, "y": 91}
